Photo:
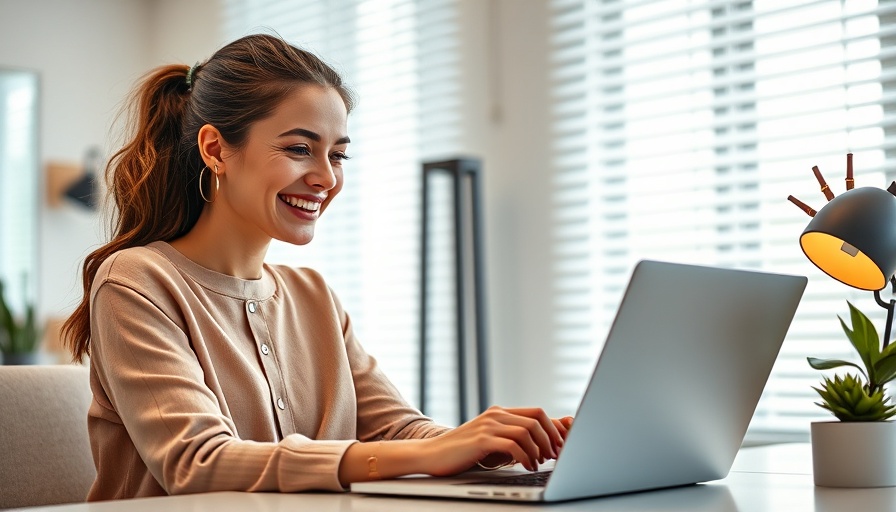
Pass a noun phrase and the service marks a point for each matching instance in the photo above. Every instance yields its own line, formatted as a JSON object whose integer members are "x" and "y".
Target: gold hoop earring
{"x": 217, "y": 184}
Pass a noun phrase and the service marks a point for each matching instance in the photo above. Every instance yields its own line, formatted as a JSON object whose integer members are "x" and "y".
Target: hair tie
{"x": 190, "y": 75}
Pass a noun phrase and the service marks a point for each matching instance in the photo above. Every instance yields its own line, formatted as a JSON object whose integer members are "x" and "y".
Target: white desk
{"x": 763, "y": 479}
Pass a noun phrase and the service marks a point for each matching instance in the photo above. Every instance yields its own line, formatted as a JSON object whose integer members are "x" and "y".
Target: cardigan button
{"x": 252, "y": 306}
{"x": 264, "y": 349}
{"x": 280, "y": 404}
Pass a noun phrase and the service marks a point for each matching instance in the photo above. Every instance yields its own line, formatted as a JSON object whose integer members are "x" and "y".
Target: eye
{"x": 299, "y": 150}
{"x": 339, "y": 156}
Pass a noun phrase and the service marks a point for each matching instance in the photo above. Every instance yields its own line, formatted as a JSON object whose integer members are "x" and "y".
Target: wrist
{"x": 380, "y": 460}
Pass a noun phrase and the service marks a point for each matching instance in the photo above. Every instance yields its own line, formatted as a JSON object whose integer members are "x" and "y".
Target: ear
{"x": 209, "y": 139}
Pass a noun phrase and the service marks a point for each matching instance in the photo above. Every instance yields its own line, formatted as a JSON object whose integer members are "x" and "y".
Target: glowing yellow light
{"x": 844, "y": 263}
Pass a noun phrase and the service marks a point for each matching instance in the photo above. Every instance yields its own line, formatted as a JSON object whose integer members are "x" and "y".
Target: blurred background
{"x": 608, "y": 131}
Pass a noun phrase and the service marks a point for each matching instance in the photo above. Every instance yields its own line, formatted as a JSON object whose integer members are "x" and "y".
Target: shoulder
{"x": 134, "y": 261}
{"x": 307, "y": 289}
{"x": 300, "y": 280}
{"x": 139, "y": 268}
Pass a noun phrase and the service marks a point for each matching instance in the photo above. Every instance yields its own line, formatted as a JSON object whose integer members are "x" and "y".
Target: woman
{"x": 212, "y": 370}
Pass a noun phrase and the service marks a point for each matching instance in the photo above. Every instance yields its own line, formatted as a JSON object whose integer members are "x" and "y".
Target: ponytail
{"x": 149, "y": 180}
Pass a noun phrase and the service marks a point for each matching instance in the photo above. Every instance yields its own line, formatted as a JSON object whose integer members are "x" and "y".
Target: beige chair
{"x": 44, "y": 450}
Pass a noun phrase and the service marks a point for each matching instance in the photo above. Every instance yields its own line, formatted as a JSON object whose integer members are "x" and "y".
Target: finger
{"x": 563, "y": 425}
{"x": 509, "y": 446}
{"x": 553, "y": 433}
{"x": 546, "y": 445}
{"x": 560, "y": 427}
{"x": 522, "y": 438}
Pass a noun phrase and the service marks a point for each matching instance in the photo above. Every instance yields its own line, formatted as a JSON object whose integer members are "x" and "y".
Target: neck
{"x": 221, "y": 245}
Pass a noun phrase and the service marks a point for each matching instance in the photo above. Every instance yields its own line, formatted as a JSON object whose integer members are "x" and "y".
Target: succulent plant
{"x": 860, "y": 397}
{"x": 849, "y": 400}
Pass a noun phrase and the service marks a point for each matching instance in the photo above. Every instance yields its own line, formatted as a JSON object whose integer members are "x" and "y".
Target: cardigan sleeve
{"x": 155, "y": 385}
{"x": 383, "y": 414}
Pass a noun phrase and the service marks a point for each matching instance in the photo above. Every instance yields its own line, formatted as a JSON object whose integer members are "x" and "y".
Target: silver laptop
{"x": 674, "y": 389}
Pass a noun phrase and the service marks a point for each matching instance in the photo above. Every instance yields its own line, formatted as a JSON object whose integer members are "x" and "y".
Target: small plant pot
{"x": 854, "y": 454}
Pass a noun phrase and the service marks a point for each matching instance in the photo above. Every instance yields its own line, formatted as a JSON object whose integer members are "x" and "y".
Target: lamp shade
{"x": 853, "y": 238}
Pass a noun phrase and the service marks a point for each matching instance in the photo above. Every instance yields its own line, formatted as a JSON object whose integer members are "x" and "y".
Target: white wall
{"x": 87, "y": 54}
{"x": 508, "y": 122}
{"x": 183, "y": 32}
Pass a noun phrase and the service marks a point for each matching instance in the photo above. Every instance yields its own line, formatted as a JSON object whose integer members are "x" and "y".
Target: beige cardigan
{"x": 206, "y": 382}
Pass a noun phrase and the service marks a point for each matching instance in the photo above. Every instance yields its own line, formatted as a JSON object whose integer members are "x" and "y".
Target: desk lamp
{"x": 853, "y": 238}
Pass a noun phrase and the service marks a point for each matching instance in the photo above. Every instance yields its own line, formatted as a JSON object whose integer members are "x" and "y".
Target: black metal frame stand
{"x": 889, "y": 306}
{"x": 467, "y": 206}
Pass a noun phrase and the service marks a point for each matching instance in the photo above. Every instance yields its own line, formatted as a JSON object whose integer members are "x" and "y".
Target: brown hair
{"x": 154, "y": 178}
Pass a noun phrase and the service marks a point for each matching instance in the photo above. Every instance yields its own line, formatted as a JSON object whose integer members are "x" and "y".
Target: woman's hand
{"x": 499, "y": 435}
{"x": 495, "y": 437}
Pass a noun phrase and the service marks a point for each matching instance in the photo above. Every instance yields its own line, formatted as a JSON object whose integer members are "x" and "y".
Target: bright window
{"x": 686, "y": 124}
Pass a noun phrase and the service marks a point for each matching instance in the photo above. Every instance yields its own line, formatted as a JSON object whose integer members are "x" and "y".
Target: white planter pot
{"x": 854, "y": 454}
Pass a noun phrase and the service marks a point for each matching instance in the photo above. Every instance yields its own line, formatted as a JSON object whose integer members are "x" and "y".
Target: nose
{"x": 322, "y": 176}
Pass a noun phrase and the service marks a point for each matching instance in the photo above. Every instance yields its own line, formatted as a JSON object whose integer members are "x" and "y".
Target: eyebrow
{"x": 311, "y": 135}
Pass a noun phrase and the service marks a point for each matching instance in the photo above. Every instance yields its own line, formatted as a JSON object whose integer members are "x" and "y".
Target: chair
{"x": 45, "y": 455}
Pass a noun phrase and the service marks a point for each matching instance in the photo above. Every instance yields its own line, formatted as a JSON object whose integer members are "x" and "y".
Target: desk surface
{"x": 763, "y": 479}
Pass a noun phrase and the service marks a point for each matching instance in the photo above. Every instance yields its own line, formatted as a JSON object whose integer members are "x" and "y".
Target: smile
{"x": 303, "y": 204}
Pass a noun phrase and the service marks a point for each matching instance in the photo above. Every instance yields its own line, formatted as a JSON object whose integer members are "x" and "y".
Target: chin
{"x": 297, "y": 239}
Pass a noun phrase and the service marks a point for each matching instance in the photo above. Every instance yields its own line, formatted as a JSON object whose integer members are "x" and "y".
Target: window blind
{"x": 681, "y": 127}
{"x": 401, "y": 58}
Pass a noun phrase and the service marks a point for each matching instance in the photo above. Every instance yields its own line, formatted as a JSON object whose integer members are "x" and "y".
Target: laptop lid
{"x": 674, "y": 388}
{"x": 678, "y": 380}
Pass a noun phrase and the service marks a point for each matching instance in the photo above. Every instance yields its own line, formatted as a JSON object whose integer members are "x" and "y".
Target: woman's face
{"x": 290, "y": 168}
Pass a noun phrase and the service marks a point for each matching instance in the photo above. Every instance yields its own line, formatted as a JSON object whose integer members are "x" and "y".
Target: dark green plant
{"x": 855, "y": 398}
{"x": 17, "y": 335}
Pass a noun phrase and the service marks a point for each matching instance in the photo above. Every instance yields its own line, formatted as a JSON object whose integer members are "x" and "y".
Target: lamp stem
{"x": 889, "y": 306}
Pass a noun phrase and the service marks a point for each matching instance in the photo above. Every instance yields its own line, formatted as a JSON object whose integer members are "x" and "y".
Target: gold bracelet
{"x": 372, "y": 471}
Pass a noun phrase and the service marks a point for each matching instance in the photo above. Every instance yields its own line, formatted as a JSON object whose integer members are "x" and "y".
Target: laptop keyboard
{"x": 538, "y": 479}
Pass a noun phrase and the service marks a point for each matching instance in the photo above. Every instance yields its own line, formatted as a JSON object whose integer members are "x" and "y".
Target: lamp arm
{"x": 889, "y": 306}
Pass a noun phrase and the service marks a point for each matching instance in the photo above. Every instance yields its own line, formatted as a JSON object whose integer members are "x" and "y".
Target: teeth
{"x": 301, "y": 203}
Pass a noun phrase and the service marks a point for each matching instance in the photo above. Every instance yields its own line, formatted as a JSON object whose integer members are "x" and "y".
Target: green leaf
{"x": 865, "y": 403}
{"x": 838, "y": 411}
{"x": 889, "y": 349}
{"x": 885, "y": 368}
{"x": 835, "y": 390}
{"x": 862, "y": 324}
{"x": 827, "y": 364}
{"x": 864, "y": 338}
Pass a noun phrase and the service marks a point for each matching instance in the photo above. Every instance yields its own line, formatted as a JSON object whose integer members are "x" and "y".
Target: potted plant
{"x": 19, "y": 336}
{"x": 858, "y": 450}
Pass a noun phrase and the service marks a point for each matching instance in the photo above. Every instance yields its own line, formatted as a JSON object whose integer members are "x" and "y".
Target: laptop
{"x": 670, "y": 398}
